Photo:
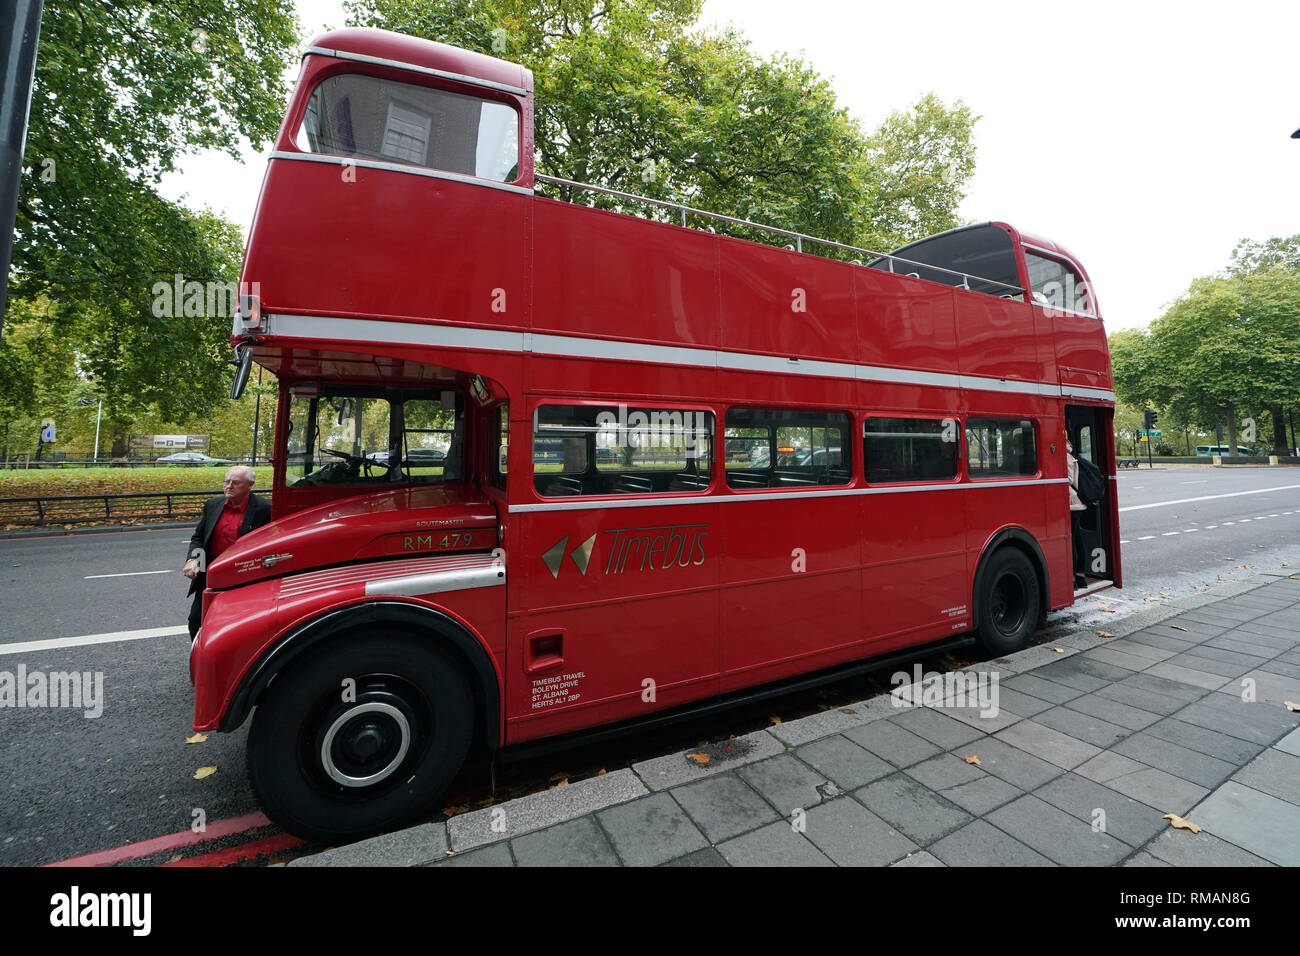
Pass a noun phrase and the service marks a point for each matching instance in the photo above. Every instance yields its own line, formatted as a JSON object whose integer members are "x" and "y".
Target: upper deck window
{"x": 980, "y": 258}
{"x": 372, "y": 118}
{"x": 1056, "y": 285}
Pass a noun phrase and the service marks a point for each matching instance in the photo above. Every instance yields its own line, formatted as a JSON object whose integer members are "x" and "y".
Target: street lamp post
{"x": 98, "y": 415}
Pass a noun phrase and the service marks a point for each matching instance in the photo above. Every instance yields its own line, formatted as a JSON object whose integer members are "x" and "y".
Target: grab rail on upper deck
{"x": 799, "y": 237}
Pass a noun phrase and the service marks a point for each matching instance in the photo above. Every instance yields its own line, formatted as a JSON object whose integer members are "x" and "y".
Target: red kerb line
{"x": 133, "y": 851}
{"x": 245, "y": 851}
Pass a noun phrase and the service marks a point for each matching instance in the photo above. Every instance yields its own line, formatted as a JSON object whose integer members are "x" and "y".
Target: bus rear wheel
{"x": 359, "y": 738}
{"x": 1008, "y": 602}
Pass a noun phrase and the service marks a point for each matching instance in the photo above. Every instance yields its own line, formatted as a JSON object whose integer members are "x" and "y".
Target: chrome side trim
{"x": 426, "y": 70}
{"x": 439, "y": 582}
{"x": 1083, "y": 391}
{"x": 400, "y": 168}
{"x": 587, "y": 504}
{"x": 566, "y": 346}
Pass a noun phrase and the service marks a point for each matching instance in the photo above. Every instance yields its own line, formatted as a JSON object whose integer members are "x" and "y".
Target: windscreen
{"x": 365, "y": 116}
{"x": 364, "y": 436}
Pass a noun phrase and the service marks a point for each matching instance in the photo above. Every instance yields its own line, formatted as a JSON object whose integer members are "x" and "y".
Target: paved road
{"x": 75, "y": 785}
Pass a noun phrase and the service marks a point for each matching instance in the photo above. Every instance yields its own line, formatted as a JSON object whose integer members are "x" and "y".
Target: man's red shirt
{"x": 227, "y": 529}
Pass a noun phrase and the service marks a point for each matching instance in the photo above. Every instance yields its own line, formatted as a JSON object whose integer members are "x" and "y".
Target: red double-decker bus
{"x": 542, "y": 468}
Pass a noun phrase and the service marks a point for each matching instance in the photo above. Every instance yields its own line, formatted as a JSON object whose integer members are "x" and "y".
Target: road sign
{"x": 1153, "y": 432}
{"x": 1143, "y": 438}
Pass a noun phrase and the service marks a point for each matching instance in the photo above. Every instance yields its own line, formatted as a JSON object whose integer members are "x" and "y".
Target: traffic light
{"x": 1149, "y": 419}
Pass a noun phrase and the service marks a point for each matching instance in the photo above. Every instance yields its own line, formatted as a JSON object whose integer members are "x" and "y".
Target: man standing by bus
{"x": 225, "y": 519}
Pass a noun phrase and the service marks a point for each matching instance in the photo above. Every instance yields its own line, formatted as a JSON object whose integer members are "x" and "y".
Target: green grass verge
{"x": 44, "y": 482}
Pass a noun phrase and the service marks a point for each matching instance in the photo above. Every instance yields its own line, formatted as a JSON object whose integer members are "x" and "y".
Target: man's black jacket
{"x": 256, "y": 513}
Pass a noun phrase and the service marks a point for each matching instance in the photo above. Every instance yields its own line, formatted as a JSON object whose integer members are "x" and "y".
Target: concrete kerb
{"x": 550, "y": 807}
{"x": 536, "y": 811}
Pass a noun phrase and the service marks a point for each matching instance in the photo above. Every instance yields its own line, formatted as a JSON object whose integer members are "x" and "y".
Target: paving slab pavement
{"x": 1092, "y": 742}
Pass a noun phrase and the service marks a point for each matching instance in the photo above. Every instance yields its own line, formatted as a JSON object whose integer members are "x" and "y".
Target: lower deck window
{"x": 1000, "y": 449}
{"x": 910, "y": 449}
{"x": 787, "y": 448}
{"x": 616, "y": 449}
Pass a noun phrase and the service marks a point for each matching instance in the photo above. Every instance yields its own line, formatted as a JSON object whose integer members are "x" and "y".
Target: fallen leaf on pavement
{"x": 699, "y": 758}
{"x": 196, "y": 739}
{"x": 1291, "y": 707}
{"x": 452, "y": 811}
{"x": 600, "y": 773}
{"x": 1105, "y": 634}
{"x": 971, "y": 758}
{"x": 1178, "y": 627}
{"x": 564, "y": 782}
{"x": 775, "y": 720}
{"x": 1059, "y": 650}
{"x": 1180, "y": 824}
{"x": 204, "y": 772}
{"x": 175, "y": 859}
{"x": 847, "y": 710}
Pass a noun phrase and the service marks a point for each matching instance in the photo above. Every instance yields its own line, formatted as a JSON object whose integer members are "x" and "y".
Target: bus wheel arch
{"x": 415, "y": 620}
{"x": 360, "y": 738}
{"x": 1011, "y": 555}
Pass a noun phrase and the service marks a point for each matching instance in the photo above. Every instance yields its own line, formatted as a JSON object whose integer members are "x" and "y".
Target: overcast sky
{"x": 1147, "y": 138}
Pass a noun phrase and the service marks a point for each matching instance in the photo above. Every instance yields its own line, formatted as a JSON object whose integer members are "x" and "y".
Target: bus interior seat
{"x": 562, "y": 485}
{"x": 632, "y": 485}
{"x": 689, "y": 481}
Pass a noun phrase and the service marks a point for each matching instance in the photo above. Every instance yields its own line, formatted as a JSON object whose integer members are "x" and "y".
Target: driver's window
{"x": 337, "y": 439}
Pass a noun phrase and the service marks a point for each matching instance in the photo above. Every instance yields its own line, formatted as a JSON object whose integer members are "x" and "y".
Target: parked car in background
{"x": 191, "y": 458}
{"x": 1209, "y": 451}
{"x": 414, "y": 456}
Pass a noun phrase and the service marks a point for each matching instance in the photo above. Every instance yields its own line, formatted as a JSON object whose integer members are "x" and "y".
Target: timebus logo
{"x": 655, "y": 548}
{"x": 76, "y": 909}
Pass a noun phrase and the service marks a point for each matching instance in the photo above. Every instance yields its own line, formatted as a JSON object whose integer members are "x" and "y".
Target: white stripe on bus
{"x": 588, "y": 503}
{"x": 338, "y": 328}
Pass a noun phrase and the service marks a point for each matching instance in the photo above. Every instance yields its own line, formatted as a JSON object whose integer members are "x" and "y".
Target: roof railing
{"x": 799, "y": 238}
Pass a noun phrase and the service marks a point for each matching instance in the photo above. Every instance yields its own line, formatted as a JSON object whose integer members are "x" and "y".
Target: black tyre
{"x": 1008, "y": 602}
{"x": 331, "y": 761}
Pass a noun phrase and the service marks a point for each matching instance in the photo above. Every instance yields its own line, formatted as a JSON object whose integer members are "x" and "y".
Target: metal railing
{"x": 28, "y": 462}
{"x": 799, "y": 238}
{"x": 78, "y": 509}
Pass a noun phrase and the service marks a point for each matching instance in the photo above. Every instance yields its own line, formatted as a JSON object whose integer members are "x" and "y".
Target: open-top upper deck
{"x": 399, "y": 213}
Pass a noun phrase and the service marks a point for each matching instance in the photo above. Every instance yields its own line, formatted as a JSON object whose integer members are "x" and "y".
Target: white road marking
{"x": 1210, "y": 527}
{"x": 127, "y": 574}
{"x": 1228, "y": 524}
{"x": 85, "y": 640}
{"x": 1230, "y": 494}
{"x": 1190, "y": 530}
{"x": 1146, "y": 537}
{"x": 1203, "y": 481}
{"x": 1169, "y": 533}
{"x": 1123, "y": 542}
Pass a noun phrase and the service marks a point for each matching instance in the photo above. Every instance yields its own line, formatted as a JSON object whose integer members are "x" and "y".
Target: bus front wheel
{"x": 1008, "y": 602}
{"x": 361, "y": 737}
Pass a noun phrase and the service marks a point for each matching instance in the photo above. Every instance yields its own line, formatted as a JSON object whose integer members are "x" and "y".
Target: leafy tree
{"x": 123, "y": 89}
{"x": 1276, "y": 253}
{"x": 630, "y": 96}
{"x": 1227, "y": 349}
